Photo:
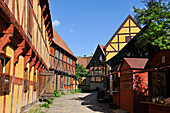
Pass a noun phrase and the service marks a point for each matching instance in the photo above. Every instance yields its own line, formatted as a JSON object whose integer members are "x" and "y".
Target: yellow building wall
{"x": 43, "y": 51}
{"x": 121, "y": 37}
{"x": 23, "y": 18}
{"x": 9, "y": 52}
{"x": 19, "y": 69}
{"x": 2, "y": 103}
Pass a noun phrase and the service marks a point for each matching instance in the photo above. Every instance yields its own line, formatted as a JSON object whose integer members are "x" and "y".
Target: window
{"x": 98, "y": 79}
{"x": 57, "y": 53}
{"x": 61, "y": 56}
{"x": 128, "y": 38}
{"x": 93, "y": 79}
{"x": 68, "y": 80}
{"x": 62, "y": 82}
{"x": 163, "y": 59}
{"x": 70, "y": 61}
{"x": 2, "y": 65}
{"x": 5, "y": 78}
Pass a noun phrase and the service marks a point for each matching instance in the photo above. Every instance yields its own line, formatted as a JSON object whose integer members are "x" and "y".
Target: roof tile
{"x": 60, "y": 42}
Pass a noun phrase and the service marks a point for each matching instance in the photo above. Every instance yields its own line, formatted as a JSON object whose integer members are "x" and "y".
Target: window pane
{"x": 68, "y": 80}
{"x": 62, "y": 81}
{"x": 57, "y": 53}
{"x": 67, "y": 59}
{"x": 61, "y": 56}
{"x": 2, "y": 65}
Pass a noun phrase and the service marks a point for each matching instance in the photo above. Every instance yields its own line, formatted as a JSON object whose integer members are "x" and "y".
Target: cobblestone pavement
{"x": 78, "y": 103}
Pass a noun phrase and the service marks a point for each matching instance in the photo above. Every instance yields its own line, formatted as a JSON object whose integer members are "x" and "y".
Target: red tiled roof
{"x": 83, "y": 60}
{"x": 60, "y": 42}
{"x": 138, "y": 63}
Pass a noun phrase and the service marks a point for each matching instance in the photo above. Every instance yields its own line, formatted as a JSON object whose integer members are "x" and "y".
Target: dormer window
{"x": 163, "y": 59}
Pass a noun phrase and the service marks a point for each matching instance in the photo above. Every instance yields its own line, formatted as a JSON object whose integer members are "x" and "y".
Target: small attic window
{"x": 125, "y": 65}
{"x": 163, "y": 59}
{"x": 128, "y": 38}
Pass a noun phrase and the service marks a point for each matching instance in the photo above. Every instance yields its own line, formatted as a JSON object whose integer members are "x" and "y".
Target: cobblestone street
{"x": 78, "y": 103}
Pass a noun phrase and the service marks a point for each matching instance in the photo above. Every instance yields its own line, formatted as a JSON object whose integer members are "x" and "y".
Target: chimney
{"x": 85, "y": 55}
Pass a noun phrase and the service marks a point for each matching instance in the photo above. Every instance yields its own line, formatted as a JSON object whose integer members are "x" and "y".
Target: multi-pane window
{"x": 67, "y": 82}
{"x": 61, "y": 56}
{"x": 57, "y": 53}
{"x": 70, "y": 61}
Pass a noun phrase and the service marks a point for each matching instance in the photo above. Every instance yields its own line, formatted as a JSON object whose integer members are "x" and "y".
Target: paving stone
{"x": 77, "y": 103}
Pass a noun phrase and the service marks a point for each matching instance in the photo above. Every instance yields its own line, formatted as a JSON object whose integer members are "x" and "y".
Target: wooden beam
{"x": 19, "y": 51}
{"x": 32, "y": 63}
{"x": 45, "y": 18}
{"x": 43, "y": 9}
{"x": 5, "y": 39}
{"x": 27, "y": 57}
{"x": 47, "y": 25}
{"x": 49, "y": 31}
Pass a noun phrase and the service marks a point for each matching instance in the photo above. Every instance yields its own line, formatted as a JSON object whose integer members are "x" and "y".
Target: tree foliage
{"x": 80, "y": 72}
{"x": 156, "y": 15}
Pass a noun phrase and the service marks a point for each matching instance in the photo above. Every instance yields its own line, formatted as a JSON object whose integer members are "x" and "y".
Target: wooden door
{"x": 46, "y": 83}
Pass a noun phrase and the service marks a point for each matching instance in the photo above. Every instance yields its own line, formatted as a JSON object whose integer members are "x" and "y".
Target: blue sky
{"x": 83, "y": 24}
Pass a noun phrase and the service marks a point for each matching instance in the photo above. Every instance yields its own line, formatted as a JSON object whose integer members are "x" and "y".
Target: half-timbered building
{"x": 128, "y": 29}
{"x": 96, "y": 68}
{"x": 25, "y": 36}
{"x": 62, "y": 61}
{"x": 132, "y": 78}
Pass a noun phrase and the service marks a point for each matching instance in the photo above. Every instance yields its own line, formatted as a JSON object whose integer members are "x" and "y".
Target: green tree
{"x": 80, "y": 72}
{"x": 156, "y": 15}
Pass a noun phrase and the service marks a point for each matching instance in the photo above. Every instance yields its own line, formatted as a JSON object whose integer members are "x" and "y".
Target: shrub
{"x": 72, "y": 92}
{"x": 56, "y": 93}
{"x": 78, "y": 90}
{"x": 62, "y": 93}
{"x": 46, "y": 105}
{"x": 50, "y": 101}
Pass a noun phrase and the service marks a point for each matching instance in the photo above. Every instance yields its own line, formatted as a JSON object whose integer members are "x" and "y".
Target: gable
{"x": 95, "y": 58}
{"x": 123, "y": 35}
{"x": 124, "y": 66}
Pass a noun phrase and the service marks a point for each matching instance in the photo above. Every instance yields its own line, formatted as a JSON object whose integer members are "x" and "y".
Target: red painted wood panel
{"x": 155, "y": 61}
{"x": 116, "y": 98}
{"x": 158, "y": 109}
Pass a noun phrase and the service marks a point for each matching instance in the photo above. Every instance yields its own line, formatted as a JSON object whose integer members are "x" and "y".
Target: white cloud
{"x": 56, "y": 23}
{"x": 131, "y": 10}
{"x": 72, "y": 31}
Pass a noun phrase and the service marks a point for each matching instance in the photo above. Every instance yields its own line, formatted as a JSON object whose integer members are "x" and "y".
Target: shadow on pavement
{"x": 90, "y": 101}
